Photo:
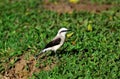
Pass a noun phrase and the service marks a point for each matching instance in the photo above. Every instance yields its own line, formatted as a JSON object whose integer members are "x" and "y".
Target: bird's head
{"x": 63, "y": 31}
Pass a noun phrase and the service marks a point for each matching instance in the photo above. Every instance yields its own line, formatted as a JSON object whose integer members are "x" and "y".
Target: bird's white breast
{"x": 54, "y": 48}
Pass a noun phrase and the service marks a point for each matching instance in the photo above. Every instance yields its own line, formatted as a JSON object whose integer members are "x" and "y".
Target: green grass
{"x": 25, "y": 25}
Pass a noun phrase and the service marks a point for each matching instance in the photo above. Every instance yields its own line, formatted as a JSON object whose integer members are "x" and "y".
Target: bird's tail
{"x": 36, "y": 56}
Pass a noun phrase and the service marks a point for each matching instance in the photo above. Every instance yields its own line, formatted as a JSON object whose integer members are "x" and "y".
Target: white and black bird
{"x": 57, "y": 41}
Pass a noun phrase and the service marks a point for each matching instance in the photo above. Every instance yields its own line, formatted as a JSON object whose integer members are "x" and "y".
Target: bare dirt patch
{"x": 83, "y": 5}
{"x": 24, "y": 68}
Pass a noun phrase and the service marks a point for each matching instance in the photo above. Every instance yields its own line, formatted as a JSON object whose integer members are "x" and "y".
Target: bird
{"x": 56, "y": 42}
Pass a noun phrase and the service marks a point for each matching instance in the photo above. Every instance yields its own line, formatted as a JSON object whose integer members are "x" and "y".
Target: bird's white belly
{"x": 54, "y": 48}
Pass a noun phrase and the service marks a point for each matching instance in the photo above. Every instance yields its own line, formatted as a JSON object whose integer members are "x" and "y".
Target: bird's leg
{"x": 56, "y": 55}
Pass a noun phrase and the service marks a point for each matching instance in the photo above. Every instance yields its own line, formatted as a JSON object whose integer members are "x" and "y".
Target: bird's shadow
{"x": 64, "y": 51}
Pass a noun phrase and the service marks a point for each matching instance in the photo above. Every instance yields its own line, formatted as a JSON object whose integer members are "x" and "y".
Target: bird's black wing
{"x": 53, "y": 43}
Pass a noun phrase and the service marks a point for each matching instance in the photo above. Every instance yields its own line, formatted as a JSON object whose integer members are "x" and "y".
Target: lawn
{"x": 91, "y": 49}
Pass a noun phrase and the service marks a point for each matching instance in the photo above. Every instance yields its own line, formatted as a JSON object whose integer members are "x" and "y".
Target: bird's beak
{"x": 68, "y": 30}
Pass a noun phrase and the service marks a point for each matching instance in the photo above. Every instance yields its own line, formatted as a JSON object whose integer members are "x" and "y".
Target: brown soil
{"x": 24, "y": 68}
{"x": 83, "y": 5}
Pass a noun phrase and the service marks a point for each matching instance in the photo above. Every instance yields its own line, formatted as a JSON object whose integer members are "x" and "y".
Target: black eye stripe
{"x": 63, "y": 31}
